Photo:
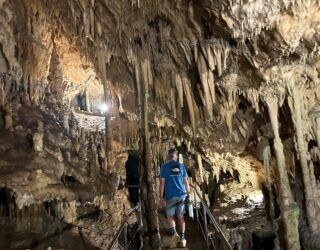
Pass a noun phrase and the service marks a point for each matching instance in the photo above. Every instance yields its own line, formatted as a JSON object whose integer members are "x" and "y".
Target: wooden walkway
{"x": 195, "y": 240}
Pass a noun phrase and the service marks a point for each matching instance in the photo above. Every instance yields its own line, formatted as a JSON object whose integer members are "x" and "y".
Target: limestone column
{"x": 296, "y": 110}
{"x": 109, "y": 151}
{"x": 289, "y": 209}
{"x": 108, "y": 131}
{"x": 88, "y": 104}
{"x": 151, "y": 209}
{"x": 317, "y": 128}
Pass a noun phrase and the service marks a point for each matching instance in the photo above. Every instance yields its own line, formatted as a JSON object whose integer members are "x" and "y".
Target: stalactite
{"x": 99, "y": 28}
{"x": 242, "y": 129}
{"x": 316, "y": 126}
{"x": 179, "y": 87}
{"x": 210, "y": 58}
{"x": 225, "y": 56}
{"x": 2, "y": 93}
{"x": 196, "y": 53}
{"x": 92, "y": 22}
{"x": 203, "y": 100}
{"x": 230, "y": 108}
{"x": 203, "y": 72}
{"x": 120, "y": 108}
{"x": 190, "y": 102}
{"x": 173, "y": 102}
{"x": 86, "y": 22}
{"x": 211, "y": 86}
{"x": 217, "y": 54}
{"x": 186, "y": 51}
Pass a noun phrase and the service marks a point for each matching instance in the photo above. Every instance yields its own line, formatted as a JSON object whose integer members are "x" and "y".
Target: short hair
{"x": 172, "y": 153}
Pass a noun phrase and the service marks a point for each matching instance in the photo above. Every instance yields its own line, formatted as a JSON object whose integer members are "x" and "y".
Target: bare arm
{"x": 161, "y": 188}
{"x": 186, "y": 184}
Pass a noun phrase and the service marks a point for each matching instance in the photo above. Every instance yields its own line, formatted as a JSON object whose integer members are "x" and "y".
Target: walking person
{"x": 174, "y": 185}
{"x": 133, "y": 176}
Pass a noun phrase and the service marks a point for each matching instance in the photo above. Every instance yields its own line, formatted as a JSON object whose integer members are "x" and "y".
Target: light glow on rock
{"x": 103, "y": 108}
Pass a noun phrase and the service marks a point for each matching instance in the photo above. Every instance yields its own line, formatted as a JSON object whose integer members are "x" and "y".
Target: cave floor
{"x": 194, "y": 237}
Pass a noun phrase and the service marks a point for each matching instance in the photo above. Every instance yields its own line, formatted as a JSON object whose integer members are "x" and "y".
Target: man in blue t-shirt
{"x": 174, "y": 183}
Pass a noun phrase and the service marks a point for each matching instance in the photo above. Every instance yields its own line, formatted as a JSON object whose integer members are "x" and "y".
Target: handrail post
{"x": 125, "y": 232}
{"x": 205, "y": 223}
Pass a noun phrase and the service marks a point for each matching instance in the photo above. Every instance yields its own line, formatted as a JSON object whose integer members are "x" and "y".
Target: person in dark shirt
{"x": 133, "y": 177}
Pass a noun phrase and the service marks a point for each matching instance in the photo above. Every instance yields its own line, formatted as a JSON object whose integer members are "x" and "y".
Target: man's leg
{"x": 172, "y": 224}
{"x": 181, "y": 224}
{"x": 170, "y": 211}
{"x": 170, "y": 217}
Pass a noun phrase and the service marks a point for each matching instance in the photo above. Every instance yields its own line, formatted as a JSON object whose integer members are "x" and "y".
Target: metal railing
{"x": 207, "y": 224}
{"x": 125, "y": 238}
{"x": 210, "y": 228}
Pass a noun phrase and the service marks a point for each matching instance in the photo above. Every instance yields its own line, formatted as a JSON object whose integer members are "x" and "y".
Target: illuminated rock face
{"x": 208, "y": 77}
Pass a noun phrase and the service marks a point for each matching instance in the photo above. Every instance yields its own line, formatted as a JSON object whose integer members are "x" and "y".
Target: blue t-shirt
{"x": 173, "y": 172}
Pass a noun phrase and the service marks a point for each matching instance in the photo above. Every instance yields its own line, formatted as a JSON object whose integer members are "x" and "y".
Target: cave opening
{"x": 69, "y": 180}
{"x": 7, "y": 203}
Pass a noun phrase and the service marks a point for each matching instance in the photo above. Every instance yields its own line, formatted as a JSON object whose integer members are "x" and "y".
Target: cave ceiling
{"x": 204, "y": 57}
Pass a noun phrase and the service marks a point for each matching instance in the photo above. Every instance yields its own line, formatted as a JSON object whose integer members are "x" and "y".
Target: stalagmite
{"x": 289, "y": 209}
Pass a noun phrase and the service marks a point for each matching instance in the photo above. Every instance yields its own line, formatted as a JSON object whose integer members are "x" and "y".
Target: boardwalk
{"x": 195, "y": 240}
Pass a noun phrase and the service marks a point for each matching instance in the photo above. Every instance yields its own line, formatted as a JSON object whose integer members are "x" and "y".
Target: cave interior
{"x": 233, "y": 85}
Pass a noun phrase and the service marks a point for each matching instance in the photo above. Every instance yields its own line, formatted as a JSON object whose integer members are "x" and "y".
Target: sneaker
{"x": 183, "y": 243}
{"x": 174, "y": 241}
